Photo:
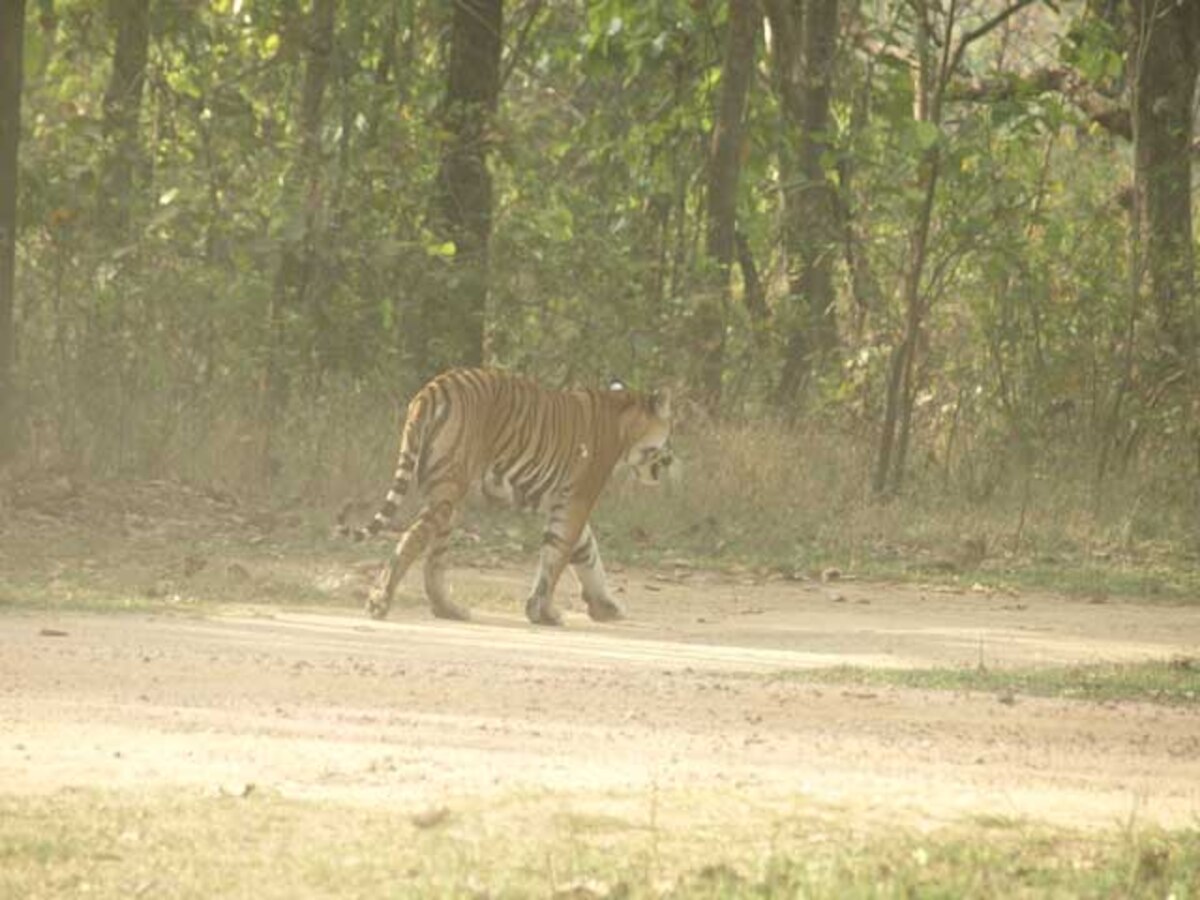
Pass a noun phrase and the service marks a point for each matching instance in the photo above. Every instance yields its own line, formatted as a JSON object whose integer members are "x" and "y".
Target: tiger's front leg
{"x": 589, "y": 569}
{"x": 562, "y": 534}
{"x": 539, "y": 608}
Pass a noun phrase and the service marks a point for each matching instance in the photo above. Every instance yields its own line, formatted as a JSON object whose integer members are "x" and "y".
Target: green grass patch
{"x": 184, "y": 844}
{"x": 1075, "y": 576}
{"x": 187, "y": 574}
{"x": 143, "y": 589}
{"x": 763, "y": 496}
{"x": 83, "y": 595}
{"x": 1174, "y": 681}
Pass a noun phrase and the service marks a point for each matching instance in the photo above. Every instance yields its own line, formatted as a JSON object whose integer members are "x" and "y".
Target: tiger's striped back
{"x": 514, "y": 440}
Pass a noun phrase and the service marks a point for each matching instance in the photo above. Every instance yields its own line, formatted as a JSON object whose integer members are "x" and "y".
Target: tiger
{"x": 519, "y": 443}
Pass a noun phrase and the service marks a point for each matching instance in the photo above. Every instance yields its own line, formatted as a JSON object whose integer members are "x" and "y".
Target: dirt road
{"x": 696, "y": 690}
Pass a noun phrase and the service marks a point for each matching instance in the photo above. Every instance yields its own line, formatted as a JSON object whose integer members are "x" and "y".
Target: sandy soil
{"x": 692, "y": 692}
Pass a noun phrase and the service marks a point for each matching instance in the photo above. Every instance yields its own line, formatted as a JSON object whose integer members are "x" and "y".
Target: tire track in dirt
{"x": 414, "y": 711}
{"x": 499, "y": 639}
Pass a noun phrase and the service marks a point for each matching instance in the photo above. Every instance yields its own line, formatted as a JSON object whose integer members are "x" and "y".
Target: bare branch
{"x": 1109, "y": 115}
{"x": 516, "y": 50}
{"x": 986, "y": 28}
{"x": 995, "y": 22}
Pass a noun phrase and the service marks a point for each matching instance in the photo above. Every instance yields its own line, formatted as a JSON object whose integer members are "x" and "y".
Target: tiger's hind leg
{"x": 435, "y": 579}
{"x": 588, "y": 568}
{"x": 433, "y": 520}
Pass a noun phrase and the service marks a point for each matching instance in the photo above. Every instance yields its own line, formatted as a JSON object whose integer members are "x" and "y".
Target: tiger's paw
{"x": 541, "y": 613}
{"x": 603, "y": 609}
{"x": 446, "y": 609}
{"x": 377, "y": 606}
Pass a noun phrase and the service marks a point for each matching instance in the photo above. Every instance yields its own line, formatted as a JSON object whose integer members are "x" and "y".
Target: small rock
{"x": 193, "y": 564}
{"x": 586, "y": 889}
{"x": 432, "y": 817}
{"x": 237, "y": 790}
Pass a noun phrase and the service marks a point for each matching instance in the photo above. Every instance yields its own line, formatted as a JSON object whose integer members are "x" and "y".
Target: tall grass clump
{"x": 793, "y": 498}
{"x": 798, "y": 498}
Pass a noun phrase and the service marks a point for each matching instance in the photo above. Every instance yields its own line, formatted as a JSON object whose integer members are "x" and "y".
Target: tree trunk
{"x": 453, "y": 323}
{"x": 724, "y": 170}
{"x": 865, "y": 291}
{"x": 122, "y": 106}
{"x": 299, "y": 260}
{"x": 754, "y": 294}
{"x": 806, "y": 33}
{"x": 12, "y": 34}
{"x": 1165, "y": 53}
{"x": 929, "y": 82}
{"x": 937, "y": 57}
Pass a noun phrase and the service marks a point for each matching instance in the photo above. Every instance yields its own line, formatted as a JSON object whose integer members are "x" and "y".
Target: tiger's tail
{"x": 406, "y": 475}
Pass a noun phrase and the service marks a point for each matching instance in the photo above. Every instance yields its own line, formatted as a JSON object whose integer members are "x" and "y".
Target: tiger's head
{"x": 646, "y": 423}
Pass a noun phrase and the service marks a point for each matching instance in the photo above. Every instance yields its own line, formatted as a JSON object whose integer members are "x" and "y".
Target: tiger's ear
{"x": 660, "y": 403}
{"x": 616, "y": 384}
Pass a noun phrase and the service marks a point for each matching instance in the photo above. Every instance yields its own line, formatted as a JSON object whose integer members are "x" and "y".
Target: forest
{"x": 915, "y": 613}
{"x": 922, "y": 272}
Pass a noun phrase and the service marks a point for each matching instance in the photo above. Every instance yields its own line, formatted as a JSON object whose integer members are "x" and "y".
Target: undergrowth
{"x": 798, "y": 501}
{"x": 793, "y": 500}
{"x": 1175, "y": 681}
{"x": 258, "y": 844}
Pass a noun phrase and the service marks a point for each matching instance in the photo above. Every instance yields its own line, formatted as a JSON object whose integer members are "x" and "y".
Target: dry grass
{"x": 1171, "y": 682}
{"x": 185, "y": 844}
{"x": 799, "y": 500}
{"x": 759, "y": 494}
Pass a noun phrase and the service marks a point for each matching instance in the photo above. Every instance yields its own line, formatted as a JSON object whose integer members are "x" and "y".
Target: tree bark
{"x": 453, "y": 323}
{"x": 299, "y": 260}
{"x": 865, "y": 291}
{"x": 929, "y": 81}
{"x": 1164, "y": 56}
{"x": 937, "y": 56}
{"x": 12, "y": 34}
{"x": 122, "y": 106}
{"x": 724, "y": 171}
{"x": 806, "y": 33}
{"x": 754, "y": 294}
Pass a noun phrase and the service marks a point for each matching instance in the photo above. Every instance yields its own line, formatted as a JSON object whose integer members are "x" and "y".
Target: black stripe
{"x": 549, "y": 537}
{"x": 584, "y": 554}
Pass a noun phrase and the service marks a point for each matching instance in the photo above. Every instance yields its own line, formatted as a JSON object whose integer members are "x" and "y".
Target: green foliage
{"x": 1093, "y": 47}
{"x": 143, "y": 352}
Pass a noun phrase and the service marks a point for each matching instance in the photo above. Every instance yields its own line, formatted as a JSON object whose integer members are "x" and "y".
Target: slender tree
{"x": 939, "y": 47}
{"x": 806, "y": 33}
{"x": 1164, "y": 59}
{"x": 122, "y": 106}
{"x": 12, "y": 30}
{"x": 724, "y": 170}
{"x": 295, "y": 293}
{"x": 452, "y": 331}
